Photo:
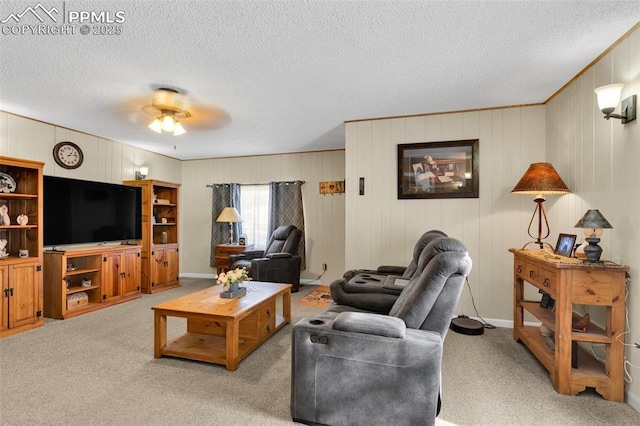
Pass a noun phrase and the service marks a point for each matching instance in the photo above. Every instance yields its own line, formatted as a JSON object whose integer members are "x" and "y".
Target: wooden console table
{"x": 223, "y": 251}
{"x": 569, "y": 281}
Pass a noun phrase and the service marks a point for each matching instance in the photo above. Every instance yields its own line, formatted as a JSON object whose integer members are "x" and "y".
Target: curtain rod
{"x": 267, "y": 183}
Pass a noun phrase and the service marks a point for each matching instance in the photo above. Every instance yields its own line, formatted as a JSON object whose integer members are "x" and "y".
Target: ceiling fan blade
{"x": 142, "y": 109}
{"x": 206, "y": 118}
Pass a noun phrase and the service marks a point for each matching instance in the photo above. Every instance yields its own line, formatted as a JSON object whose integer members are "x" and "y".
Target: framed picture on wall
{"x": 448, "y": 169}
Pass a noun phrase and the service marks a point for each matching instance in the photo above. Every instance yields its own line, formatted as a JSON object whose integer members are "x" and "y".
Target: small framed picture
{"x": 242, "y": 241}
{"x": 564, "y": 246}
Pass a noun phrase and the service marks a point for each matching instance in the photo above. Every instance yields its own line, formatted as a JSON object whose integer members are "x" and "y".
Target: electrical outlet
{"x": 324, "y": 265}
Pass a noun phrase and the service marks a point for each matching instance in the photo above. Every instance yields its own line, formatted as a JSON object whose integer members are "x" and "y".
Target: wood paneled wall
{"x": 602, "y": 157}
{"x": 383, "y": 230}
{"x": 104, "y": 160}
{"x": 324, "y": 214}
{"x": 110, "y": 161}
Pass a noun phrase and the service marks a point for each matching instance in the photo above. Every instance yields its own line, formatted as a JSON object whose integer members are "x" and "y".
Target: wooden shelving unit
{"x": 21, "y": 303}
{"x": 570, "y": 282}
{"x": 111, "y": 275}
{"x": 160, "y": 250}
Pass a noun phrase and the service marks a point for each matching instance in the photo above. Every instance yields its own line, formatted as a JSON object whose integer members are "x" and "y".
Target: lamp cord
{"x": 473, "y": 302}
{"x": 320, "y": 276}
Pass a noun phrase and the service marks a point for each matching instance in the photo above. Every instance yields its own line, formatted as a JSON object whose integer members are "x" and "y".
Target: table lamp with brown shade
{"x": 592, "y": 224}
{"x": 231, "y": 216}
{"x": 540, "y": 179}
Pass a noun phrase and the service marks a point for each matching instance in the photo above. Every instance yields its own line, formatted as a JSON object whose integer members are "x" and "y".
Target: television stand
{"x": 81, "y": 280}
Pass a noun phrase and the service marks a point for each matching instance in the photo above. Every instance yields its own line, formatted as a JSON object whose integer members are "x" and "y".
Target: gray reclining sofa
{"x": 351, "y": 366}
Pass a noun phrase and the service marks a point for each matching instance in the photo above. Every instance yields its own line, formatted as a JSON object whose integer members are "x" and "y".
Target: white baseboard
{"x": 193, "y": 275}
{"x": 633, "y": 400}
{"x": 213, "y": 276}
{"x": 504, "y": 323}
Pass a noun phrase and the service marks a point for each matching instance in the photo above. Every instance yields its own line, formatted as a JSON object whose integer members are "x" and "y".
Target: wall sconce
{"x": 142, "y": 173}
{"x": 608, "y": 99}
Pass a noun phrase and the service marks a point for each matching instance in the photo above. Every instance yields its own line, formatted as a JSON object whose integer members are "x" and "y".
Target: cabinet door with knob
{"x": 171, "y": 255}
{"x": 164, "y": 266}
{"x": 21, "y": 296}
{"x": 130, "y": 273}
{"x": 121, "y": 275}
{"x": 111, "y": 277}
{"x": 158, "y": 266}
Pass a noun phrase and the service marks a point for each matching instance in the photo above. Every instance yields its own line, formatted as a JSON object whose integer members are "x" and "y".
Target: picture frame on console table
{"x": 447, "y": 169}
{"x": 565, "y": 244}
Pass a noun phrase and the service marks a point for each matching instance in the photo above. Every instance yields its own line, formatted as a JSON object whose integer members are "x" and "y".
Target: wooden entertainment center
{"x": 82, "y": 280}
{"x": 160, "y": 260}
{"x": 21, "y": 264}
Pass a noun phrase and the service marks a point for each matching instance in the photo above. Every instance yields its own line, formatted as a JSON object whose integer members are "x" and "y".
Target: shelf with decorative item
{"x": 77, "y": 289}
{"x": 17, "y": 196}
{"x": 83, "y": 271}
{"x": 21, "y": 245}
{"x": 7, "y": 227}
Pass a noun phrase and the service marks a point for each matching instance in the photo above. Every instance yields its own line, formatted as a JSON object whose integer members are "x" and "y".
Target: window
{"x": 254, "y": 203}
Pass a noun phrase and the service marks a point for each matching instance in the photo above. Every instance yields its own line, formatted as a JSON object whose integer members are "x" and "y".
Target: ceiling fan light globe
{"x": 156, "y": 126}
{"x": 178, "y": 129}
{"x": 167, "y": 123}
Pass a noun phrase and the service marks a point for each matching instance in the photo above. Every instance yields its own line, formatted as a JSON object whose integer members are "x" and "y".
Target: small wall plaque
{"x": 332, "y": 187}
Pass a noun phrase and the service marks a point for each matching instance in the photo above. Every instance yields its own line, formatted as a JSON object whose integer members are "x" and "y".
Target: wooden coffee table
{"x": 222, "y": 331}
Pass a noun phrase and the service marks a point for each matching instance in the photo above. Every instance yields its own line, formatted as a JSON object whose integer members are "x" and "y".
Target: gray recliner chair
{"x": 352, "y": 367}
{"x": 378, "y": 292}
{"x": 278, "y": 262}
{"x": 404, "y": 271}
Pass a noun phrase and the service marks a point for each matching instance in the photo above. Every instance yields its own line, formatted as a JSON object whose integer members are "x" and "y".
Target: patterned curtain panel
{"x": 224, "y": 195}
{"x": 285, "y": 208}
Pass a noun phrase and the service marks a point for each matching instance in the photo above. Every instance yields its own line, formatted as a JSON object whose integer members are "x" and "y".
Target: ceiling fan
{"x": 169, "y": 104}
{"x": 170, "y": 110}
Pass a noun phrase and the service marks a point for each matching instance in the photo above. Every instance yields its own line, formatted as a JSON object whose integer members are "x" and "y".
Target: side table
{"x": 223, "y": 251}
{"x": 570, "y": 282}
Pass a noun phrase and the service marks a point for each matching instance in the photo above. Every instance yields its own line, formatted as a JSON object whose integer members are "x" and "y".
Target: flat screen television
{"x": 79, "y": 211}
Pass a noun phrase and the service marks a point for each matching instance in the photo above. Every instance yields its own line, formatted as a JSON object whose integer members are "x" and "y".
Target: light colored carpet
{"x": 98, "y": 369}
{"x": 492, "y": 380}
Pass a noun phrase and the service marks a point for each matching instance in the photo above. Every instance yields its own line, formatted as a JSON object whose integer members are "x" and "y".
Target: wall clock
{"x": 68, "y": 155}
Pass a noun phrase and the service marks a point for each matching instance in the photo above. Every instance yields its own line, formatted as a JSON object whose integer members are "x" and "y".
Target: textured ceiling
{"x": 289, "y": 73}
